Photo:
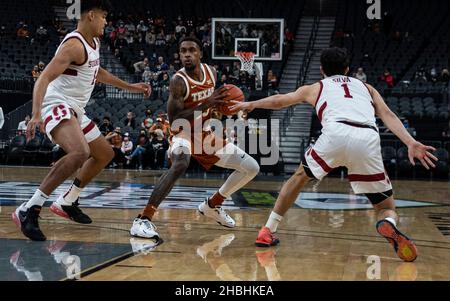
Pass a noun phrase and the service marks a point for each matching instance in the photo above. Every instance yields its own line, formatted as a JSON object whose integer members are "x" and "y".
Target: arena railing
{"x": 303, "y": 69}
{"x": 16, "y": 83}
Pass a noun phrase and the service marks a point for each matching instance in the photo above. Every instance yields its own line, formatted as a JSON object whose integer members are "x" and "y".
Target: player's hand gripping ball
{"x": 235, "y": 94}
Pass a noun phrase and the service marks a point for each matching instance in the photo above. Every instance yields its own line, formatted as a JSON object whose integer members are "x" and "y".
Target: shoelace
{"x": 76, "y": 207}
{"x": 222, "y": 212}
{"x": 149, "y": 224}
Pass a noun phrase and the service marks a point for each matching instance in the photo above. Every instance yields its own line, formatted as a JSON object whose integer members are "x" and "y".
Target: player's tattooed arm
{"x": 107, "y": 78}
{"x": 175, "y": 105}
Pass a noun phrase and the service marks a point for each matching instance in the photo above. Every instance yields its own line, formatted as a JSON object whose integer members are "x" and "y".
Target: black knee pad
{"x": 376, "y": 198}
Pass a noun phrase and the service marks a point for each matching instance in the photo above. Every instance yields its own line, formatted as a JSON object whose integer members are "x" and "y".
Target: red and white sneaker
{"x": 403, "y": 246}
{"x": 266, "y": 238}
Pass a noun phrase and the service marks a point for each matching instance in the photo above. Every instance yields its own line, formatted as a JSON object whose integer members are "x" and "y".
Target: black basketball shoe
{"x": 72, "y": 212}
{"x": 27, "y": 221}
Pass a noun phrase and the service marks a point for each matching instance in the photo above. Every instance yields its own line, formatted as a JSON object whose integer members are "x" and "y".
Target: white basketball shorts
{"x": 54, "y": 114}
{"x": 358, "y": 149}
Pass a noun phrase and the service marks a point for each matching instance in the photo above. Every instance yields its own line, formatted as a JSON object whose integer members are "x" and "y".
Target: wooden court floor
{"x": 335, "y": 242}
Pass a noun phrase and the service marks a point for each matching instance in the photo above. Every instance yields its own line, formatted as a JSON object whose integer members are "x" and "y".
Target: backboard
{"x": 264, "y": 37}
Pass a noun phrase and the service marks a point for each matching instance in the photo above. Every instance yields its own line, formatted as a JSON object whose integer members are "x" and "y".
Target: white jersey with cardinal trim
{"x": 75, "y": 86}
{"x": 344, "y": 98}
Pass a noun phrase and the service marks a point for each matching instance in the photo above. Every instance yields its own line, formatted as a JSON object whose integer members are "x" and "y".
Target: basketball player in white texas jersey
{"x": 350, "y": 138}
{"x": 59, "y": 98}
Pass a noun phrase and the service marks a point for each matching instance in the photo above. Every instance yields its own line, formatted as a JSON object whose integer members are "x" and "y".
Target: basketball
{"x": 236, "y": 94}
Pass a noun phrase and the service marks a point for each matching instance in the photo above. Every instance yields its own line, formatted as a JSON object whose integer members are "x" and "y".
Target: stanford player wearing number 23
{"x": 59, "y": 98}
{"x": 347, "y": 108}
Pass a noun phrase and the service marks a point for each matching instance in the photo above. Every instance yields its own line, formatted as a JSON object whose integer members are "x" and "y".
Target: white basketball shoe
{"x": 217, "y": 214}
{"x": 144, "y": 228}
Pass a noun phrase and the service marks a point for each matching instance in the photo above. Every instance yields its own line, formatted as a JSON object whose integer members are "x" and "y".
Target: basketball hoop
{"x": 247, "y": 61}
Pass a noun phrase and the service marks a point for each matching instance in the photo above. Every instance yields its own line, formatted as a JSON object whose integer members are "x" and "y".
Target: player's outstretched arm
{"x": 275, "y": 102}
{"x": 415, "y": 149}
{"x": 71, "y": 51}
{"x": 107, "y": 78}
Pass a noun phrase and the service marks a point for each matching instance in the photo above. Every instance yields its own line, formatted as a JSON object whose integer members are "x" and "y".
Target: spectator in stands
{"x": 130, "y": 27}
{"x": 160, "y": 125}
{"x": 3, "y": 32}
{"x": 147, "y": 75}
{"x": 161, "y": 65}
{"x": 176, "y": 61}
{"x": 388, "y": 78}
{"x": 35, "y": 73}
{"x": 117, "y": 53}
{"x": 446, "y": 131}
{"x": 109, "y": 30}
{"x": 142, "y": 29}
{"x": 121, "y": 29}
{"x": 433, "y": 75}
{"x": 171, "y": 71}
{"x": 156, "y": 88}
{"x": 180, "y": 28}
{"x": 445, "y": 76}
{"x": 24, "y": 124}
{"x": 139, "y": 67}
{"x": 142, "y": 143}
{"x": 147, "y": 123}
{"x": 420, "y": 75}
{"x": 120, "y": 42}
{"x": 115, "y": 138}
{"x": 23, "y": 32}
{"x": 130, "y": 121}
{"x": 160, "y": 145}
{"x": 165, "y": 82}
{"x": 272, "y": 81}
{"x": 150, "y": 36}
{"x": 129, "y": 37}
{"x": 106, "y": 126}
{"x": 41, "y": 66}
{"x": 361, "y": 75}
{"x": 127, "y": 145}
{"x": 289, "y": 37}
{"x": 41, "y": 34}
{"x": 160, "y": 38}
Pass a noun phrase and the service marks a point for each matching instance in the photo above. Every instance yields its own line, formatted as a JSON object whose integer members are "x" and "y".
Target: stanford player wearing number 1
{"x": 59, "y": 98}
{"x": 350, "y": 138}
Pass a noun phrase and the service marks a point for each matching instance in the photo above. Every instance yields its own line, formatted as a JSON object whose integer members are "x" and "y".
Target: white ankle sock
{"x": 390, "y": 219}
{"x": 273, "y": 221}
{"x": 70, "y": 196}
{"x": 38, "y": 199}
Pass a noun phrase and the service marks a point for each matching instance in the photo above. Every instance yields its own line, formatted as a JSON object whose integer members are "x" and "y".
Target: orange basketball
{"x": 236, "y": 94}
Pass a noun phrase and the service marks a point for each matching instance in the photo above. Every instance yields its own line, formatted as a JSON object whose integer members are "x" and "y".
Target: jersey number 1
{"x": 347, "y": 91}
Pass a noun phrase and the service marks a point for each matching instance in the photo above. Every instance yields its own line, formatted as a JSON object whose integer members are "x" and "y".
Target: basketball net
{"x": 247, "y": 61}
